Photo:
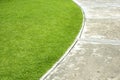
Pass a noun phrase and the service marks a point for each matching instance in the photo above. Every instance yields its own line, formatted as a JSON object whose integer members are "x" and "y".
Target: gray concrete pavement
{"x": 102, "y": 29}
{"x": 96, "y": 53}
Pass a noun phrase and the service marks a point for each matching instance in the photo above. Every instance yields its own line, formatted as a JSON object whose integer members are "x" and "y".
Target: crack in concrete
{"x": 102, "y": 41}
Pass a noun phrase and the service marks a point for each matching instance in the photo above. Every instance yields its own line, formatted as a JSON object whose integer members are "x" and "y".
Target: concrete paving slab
{"x": 102, "y": 12}
{"x": 101, "y": 8}
{"x": 89, "y": 61}
{"x": 102, "y": 29}
{"x": 98, "y": 1}
{"x": 94, "y": 4}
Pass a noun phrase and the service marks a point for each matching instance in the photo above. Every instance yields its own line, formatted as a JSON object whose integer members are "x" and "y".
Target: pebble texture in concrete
{"x": 96, "y": 54}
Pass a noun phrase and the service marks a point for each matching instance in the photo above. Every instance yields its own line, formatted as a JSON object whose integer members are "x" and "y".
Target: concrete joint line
{"x": 102, "y": 41}
{"x": 103, "y": 18}
{"x": 111, "y": 18}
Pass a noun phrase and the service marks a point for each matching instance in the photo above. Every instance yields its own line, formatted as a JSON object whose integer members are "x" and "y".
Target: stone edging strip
{"x": 69, "y": 49}
{"x": 84, "y": 18}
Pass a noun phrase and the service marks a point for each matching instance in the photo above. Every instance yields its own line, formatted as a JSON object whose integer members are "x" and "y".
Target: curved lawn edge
{"x": 34, "y": 35}
{"x": 70, "y": 48}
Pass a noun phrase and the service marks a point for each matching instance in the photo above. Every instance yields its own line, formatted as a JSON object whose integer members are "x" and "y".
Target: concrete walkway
{"x": 96, "y": 54}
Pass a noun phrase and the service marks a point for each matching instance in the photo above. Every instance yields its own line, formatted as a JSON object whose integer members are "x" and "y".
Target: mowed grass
{"x": 34, "y": 34}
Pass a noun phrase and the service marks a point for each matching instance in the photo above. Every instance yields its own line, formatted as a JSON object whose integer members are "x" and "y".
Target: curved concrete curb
{"x": 84, "y": 18}
{"x": 95, "y": 54}
{"x": 70, "y": 48}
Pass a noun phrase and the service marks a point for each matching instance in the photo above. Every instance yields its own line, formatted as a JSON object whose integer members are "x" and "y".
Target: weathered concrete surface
{"x": 101, "y": 8}
{"x": 102, "y": 29}
{"x": 89, "y": 61}
{"x": 96, "y": 55}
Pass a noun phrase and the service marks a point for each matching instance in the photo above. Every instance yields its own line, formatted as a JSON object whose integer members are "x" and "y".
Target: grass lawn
{"x": 34, "y": 34}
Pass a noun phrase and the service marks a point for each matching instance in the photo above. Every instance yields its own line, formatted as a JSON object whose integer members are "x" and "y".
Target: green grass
{"x": 34, "y": 34}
